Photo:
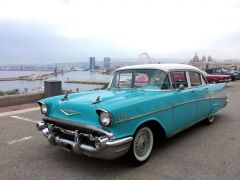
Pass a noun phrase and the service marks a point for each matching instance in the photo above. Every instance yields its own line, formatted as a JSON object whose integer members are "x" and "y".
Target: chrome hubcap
{"x": 143, "y": 144}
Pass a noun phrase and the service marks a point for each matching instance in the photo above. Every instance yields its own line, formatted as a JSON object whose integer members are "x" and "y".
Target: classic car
{"x": 223, "y": 71}
{"x": 141, "y": 104}
{"x": 217, "y": 78}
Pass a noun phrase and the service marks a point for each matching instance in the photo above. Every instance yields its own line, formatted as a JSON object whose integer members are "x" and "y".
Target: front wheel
{"x": 142, "y": 146}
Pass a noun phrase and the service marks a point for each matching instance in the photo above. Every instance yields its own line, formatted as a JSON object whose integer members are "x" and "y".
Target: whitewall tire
{"x": 209, "y": 120}
{"x": 142, "y": 145}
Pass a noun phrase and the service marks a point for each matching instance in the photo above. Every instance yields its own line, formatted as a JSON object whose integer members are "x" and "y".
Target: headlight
{"x": 105, "y": 119}
{"x": 44, "y": 109}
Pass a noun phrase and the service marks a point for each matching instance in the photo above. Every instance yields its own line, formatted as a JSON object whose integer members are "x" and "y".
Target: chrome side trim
{"x": 169, "y": 107}
{"x": 145, "y": 114}
{"x": 80, "y": 125}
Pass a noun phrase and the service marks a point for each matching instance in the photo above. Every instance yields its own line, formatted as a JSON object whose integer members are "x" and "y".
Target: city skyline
{"x": 72, "y": 31}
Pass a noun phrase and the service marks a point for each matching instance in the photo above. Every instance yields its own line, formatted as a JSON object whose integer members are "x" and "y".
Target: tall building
{"x": 203, "y": 63}
{"x": 107, "y": 63}
{"x": 92, "y": 63}
{"x": 195, "y": 58}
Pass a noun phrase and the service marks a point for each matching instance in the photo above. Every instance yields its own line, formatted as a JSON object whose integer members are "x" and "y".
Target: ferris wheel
{"x": 144, "y": 58}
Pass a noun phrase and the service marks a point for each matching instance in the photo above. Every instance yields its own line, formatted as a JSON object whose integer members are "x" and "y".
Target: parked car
{"x": 236, "y": 73}
{"x": 141, "y": 103}
{"x": 217, "y": 78}
{"x": 223, "y": 71}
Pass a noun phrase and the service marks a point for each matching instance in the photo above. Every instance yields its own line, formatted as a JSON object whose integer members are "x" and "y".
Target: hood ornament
{"x": 98, "y": 99}
{"x": 69, "y": 112}
{"x": 65, "y": 97}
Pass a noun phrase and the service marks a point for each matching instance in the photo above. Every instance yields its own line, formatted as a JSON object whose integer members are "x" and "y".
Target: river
{"x": 33, "y": 85}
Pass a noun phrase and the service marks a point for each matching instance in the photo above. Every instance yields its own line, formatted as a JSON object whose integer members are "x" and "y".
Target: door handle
{"x": 192, "y": 91}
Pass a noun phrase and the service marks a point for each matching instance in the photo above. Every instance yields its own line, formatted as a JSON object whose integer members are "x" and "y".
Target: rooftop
{"x": 164, "y": 67}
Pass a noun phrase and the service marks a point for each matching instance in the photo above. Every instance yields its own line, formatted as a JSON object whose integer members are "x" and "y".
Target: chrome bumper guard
{"x": 100, "y": 147}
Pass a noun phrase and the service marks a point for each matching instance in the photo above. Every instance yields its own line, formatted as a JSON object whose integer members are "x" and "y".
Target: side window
{"x": 178, "y": 77}
{"x": 195, "y": 79}
{"x": 218, "y": 70}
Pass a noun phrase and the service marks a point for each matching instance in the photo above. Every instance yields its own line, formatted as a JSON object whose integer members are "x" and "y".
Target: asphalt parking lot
{"x": 201, "y": 152}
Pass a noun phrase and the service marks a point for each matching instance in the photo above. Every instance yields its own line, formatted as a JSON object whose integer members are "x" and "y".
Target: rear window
{"x": 195, "y": 79}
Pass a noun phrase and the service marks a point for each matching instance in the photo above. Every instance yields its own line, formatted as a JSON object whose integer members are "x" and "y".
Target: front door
{"x": 184, "y": 102}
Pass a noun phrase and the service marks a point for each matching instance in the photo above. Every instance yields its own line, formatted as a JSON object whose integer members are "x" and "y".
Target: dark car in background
{"x": 223, "y": 71}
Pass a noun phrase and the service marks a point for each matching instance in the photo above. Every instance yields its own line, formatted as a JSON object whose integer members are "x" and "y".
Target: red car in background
{"x": 217, "y": 78}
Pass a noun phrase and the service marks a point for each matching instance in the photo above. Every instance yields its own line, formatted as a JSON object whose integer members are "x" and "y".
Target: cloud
{"x": 72, "y": 30}
{"x": 28, "y": 41}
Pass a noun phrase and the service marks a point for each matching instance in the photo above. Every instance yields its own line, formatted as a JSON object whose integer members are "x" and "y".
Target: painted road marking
{"x": 24, "y": 119}
{"x": 19, "y": 140}
{"x": 19, "y": 111}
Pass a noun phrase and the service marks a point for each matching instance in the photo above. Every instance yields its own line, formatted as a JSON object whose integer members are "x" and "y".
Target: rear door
{"x": 201, "y": 91}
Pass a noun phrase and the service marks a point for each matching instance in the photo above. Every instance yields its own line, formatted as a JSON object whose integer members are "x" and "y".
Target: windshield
{"x": 141, "y": 78}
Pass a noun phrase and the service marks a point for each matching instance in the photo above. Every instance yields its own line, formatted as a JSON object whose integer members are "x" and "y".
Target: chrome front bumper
{"x": 103, "y": 147}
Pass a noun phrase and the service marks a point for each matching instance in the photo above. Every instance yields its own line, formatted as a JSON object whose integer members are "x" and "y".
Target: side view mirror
{"x": 181, "y": 87}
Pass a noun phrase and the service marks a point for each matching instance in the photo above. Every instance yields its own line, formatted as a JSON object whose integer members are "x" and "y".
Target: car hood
{"x": 81, "y": 107}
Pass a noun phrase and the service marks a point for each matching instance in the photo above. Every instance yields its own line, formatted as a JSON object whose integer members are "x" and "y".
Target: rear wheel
{"x": 209, "y": 120}
{"x": 142, "y": 146}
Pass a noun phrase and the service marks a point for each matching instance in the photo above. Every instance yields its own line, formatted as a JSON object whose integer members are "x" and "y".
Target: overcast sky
{"x": 42, "y": 31}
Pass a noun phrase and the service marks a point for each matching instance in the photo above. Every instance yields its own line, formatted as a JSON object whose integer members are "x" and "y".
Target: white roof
{"x": 164, "y": 67}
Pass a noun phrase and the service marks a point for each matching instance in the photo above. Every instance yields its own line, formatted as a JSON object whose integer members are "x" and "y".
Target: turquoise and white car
{"x": 142, "y": 102}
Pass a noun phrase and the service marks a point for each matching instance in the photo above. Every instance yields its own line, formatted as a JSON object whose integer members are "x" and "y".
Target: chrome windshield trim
{"x": 134, "y": 69}
{"x": 81, "y": 125}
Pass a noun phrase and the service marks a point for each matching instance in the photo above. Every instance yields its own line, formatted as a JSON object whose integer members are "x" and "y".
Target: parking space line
{"x": 18, "y": 111}
{"x": 19, "y": 140}
{"x": 24, "y": 119}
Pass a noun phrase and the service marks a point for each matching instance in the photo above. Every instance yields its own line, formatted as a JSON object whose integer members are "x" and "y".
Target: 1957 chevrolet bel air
{"x": 141, "y": 103}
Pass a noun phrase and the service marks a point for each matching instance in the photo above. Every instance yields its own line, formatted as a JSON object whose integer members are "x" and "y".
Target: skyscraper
{"x": 92, "y": 63}
{"x": 106, "y": 63}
